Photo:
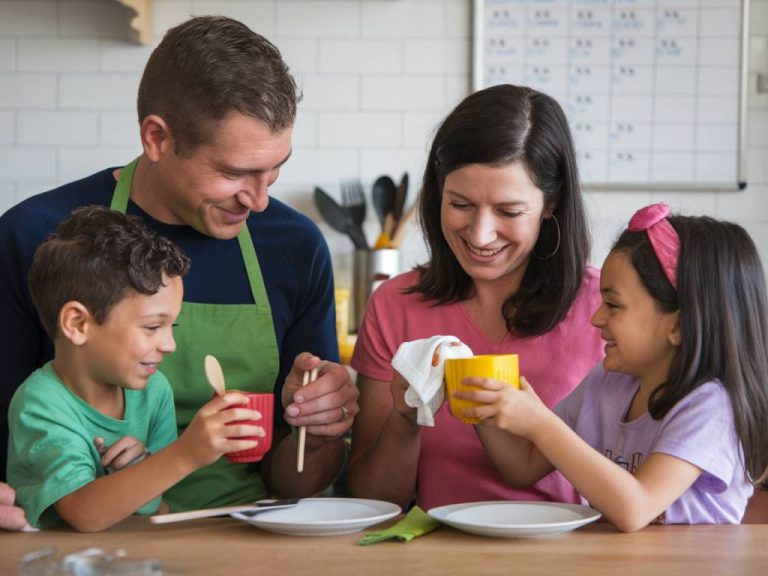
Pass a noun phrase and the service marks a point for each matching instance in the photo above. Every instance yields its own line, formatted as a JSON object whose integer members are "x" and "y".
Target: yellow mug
{"x": 501, "y": 367}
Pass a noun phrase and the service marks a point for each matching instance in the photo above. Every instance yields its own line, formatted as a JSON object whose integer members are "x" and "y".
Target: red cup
{"x": 265, "y": 405}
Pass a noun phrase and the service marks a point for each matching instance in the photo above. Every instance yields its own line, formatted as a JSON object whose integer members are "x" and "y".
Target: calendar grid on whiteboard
{"x": 654, "y": 90}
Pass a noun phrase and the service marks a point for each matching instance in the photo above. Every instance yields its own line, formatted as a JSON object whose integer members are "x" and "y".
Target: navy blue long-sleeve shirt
{"x": 293, "y": 257}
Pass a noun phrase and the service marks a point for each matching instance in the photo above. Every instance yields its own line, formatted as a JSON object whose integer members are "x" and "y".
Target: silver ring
{"x": 344, "y": 413}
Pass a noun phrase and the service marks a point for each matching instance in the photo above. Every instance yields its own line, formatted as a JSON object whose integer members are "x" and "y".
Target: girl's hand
{"x": 126, "y": 451}
{"x": 505, "y": 407}
{"x": 397, "y": 388}
{"x": 209, "y": 434}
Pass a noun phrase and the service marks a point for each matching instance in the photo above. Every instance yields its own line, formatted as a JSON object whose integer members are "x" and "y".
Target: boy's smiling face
{"x": 125, "y": 350}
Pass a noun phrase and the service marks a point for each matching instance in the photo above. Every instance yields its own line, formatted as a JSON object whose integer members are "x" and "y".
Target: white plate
{"x": 508, "y": 519}
{"x": 323, "y": 516}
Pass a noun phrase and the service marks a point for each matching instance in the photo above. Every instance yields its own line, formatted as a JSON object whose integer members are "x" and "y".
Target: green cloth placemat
{"x": 416, "y": 523}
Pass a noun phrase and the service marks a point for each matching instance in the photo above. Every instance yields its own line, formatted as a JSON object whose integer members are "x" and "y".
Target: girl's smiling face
{"x": 641, "y": 339}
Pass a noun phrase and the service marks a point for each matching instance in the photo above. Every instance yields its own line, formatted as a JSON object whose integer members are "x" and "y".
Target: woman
{"x": 502, "y": 214}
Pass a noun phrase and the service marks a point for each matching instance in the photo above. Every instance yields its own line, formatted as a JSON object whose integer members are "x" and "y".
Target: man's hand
{"x": 326, "y": 406}
{"x": 11, "y": 517}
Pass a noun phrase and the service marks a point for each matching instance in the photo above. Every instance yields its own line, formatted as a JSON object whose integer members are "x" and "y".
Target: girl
{"x": 672, "y": 426}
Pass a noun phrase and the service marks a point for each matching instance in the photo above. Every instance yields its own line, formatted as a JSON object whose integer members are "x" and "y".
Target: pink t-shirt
{"x": 453, "y": 466}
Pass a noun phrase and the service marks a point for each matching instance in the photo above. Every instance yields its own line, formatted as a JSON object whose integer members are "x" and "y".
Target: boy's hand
{"x": 517, "y": 411}
{"x": 126, "y": 451}
{"x": 209, "y": 435}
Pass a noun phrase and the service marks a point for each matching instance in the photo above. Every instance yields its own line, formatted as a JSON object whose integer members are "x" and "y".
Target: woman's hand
{"x": 505, "y": 407}
{"x": 397, "y": 388}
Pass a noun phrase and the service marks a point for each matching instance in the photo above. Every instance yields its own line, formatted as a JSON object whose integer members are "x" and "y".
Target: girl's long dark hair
{"x": 721, "y": 296}
{"x": 498, "y": 126}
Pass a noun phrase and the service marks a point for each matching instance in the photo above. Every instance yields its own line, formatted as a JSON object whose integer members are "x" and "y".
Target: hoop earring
{"x": 557, "y": 244}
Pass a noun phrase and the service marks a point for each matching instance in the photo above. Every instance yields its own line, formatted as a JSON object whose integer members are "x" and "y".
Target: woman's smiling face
{"x": 491, "y": 217}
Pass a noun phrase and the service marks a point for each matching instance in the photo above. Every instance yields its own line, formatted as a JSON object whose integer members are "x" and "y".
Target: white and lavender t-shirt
{"x": 699, "y": 429}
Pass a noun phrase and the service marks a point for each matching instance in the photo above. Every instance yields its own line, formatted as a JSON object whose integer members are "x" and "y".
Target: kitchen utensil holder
{"x": 369, "y": 269}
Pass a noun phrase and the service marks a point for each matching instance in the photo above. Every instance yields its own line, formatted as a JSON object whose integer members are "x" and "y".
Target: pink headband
{"x": 663, "y": 237}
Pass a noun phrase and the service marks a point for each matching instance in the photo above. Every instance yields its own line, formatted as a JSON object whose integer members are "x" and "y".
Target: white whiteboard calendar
{"x": 654, "y": 90}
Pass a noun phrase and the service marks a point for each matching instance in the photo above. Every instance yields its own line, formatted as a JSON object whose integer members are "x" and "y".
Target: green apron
{"x": 242, "y": 337}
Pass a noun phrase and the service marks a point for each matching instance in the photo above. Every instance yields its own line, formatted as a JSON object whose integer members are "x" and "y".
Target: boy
{"x": 108, "y": 291}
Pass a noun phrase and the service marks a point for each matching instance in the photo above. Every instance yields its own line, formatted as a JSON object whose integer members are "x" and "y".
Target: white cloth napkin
{"x": 421, "y": 362}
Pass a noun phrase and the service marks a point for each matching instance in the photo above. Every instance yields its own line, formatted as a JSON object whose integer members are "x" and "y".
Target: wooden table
{"x": 226, "y": 546}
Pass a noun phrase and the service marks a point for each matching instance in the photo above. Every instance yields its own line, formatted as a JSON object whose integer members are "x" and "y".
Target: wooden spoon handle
{"x": 308, "y": 377}
{"x": 402, "y": 227}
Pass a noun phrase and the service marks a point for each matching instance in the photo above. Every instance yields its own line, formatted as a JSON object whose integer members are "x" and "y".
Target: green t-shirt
{"x": 51, "y": 451}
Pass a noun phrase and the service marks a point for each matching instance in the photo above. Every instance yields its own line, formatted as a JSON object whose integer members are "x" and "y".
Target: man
{"x": 216, "y": 111}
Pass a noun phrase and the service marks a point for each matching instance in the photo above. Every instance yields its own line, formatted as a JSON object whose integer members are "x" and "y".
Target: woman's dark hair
{"x": 97, "y": 257}
{"x": 721, "y": 297}
{"x": 208, "y": 67}
{"x": 499, "y": 126}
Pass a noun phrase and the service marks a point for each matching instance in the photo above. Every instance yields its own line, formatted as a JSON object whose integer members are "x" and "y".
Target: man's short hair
{"x": 209, "y": 67}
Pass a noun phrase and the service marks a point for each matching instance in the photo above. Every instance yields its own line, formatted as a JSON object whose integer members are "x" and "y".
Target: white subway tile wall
{"x": 24, "y": 91}
{"x": 330, "y": 92}
{"x": 57, "y": 127}
{"x": 359, "y": 56}
{"x": 97, "y": 91}
{"x": 77, "y": 162}
{"x": 119, "y": 128}
{"x": 375, "y": 129}
{"x": 22, "y": 18}
{"x": 7, "y": 196}
{"x": 7, "y": 131}
{"x": 57, "y": 55}
{"x": 377, "y": 78}
{"x": 7, "y": 54}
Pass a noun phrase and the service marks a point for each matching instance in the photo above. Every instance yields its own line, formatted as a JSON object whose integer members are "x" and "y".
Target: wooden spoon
{"x": 214, "y": 374}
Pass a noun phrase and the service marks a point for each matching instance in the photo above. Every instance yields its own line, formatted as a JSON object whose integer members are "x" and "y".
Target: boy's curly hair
{"x": 96, "y": 257}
